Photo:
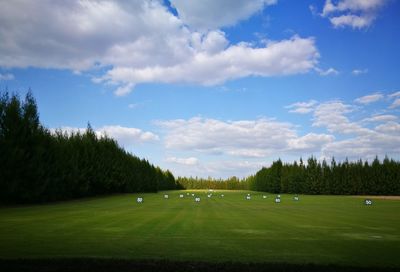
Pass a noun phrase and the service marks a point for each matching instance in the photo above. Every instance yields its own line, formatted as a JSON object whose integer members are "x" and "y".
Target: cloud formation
{"x": 358, "y": 72}
{"x": 330, "y": 71}
{"x": 245, "y": 138}
{"x": 132, "y": 42}
{"x": 211, "y": 14}
{"x": 237, "y": 61}
{"x": 183, "y": 161}
{"x": 302, "y": 107}
{"x": 356, "y": 14}
{"x": 368, "y": 99}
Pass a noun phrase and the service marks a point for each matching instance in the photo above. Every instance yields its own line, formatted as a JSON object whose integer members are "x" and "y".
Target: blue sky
{"x": 213, "y": 88}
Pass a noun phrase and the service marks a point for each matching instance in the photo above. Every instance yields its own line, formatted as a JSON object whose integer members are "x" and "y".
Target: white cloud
{"x": 368, "y": 99}
{"x": 80, "y": 35}
{"x": 245, "y": 138}
{"x": 381, "y": 118}
{"x": 390, "y": 127}
{"x": 184, "y": 161}
{"x": 395, "y": 104}
{"x": 330, "y": 71}
{"x": 353, "y": 21}
{"x": 124, "y": 89}
{"x": 394, "y": 95}
{"x": 125, "y": 136}
{"x": 384, "y": 141}
{"x": 142, "y": 43}
{"x": 356, "y": 14}
{"x": 211, "y": 14}
{"x": 311, "y": 142}
{"x": 302, "y": 107}
{"x": 293, "y": 56}
{"x": 7, "y": 76}
{"x": 332, "y": 116}
{"x": 357, "y": 72}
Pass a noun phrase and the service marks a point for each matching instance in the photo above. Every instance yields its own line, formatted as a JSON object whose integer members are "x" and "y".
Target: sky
{"x": 213, "y": 87}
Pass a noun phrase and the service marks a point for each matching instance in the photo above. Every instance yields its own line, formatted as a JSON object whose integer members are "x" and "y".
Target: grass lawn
{"x": 316, "y": 229}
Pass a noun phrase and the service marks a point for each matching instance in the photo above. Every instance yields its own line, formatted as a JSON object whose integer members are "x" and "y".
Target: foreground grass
{"x": 322, "y": 230}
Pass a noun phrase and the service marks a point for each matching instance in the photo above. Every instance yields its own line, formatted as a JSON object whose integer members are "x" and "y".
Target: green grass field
{"x": 317, "y": 229}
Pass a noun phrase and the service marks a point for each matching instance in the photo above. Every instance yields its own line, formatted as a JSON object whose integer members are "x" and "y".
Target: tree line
{"x": 232, "y": 183}
{"x": 338, "y": 178}
{"x": 38, "y": 165}
{"x": 313, "y": 177}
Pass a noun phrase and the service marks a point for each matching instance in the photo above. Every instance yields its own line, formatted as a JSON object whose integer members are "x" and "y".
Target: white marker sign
{"x": 277, "y": 200}
{"x": 368, "y": 202}
{"x": 296, "y": 198}
{"x": 197, "y": 199}
{"x": 166, "y": 196}
{"x": 139, "y": 200}
{"x": 248, "y": 197}
{"x": 264, "y": 196}
{"x": 181, "y": 196}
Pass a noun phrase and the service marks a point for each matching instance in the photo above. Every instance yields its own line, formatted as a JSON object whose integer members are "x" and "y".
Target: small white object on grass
{"x": 277, "y": 200}
{"x": 209, "y": 196}
{"x": 248, "y": 194}
{"x": 264, "y": 196}
{"x": 296, "y": 198}
{"x": 248, "y": 197}
{"x": 166, "y": 196}
{"x": 222, "y": 195}
{"x": 279, "y": 196}
{"x": 181, "y": 196}
{"x": 192, "y": 194}
{"x": 197, "y": 199}
{"x": 139, "y": 200}
{"x": 368, "y": 202}
{"x": 187, "y": 194}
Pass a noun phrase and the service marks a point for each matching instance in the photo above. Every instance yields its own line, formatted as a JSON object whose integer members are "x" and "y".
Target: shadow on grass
{"x": 108, "y": 265}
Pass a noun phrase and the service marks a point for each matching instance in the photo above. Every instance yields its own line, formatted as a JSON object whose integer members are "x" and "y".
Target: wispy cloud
{"x": 184, "y": 161}
{"x": 381, "y": 118}
{"x": 358, "y": 72}
{"x": 328, "y": 72}
{"x": 368, "y": 99}
{"x": 394, "y": 95}
{"x": 395, "y": 104}
{"x": 302, "y": 107}
{"x": 6, "y": 76}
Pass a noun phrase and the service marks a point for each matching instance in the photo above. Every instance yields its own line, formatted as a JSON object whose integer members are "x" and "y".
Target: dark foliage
{"x": 37, "y": 165}
{"x": 343, "y": 178}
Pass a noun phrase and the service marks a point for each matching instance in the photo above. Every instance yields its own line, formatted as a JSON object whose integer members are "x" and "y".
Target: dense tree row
{"x": 232, "y": 183}
{"x": 343, "y": 178}
{"x": 37, "y": 165}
